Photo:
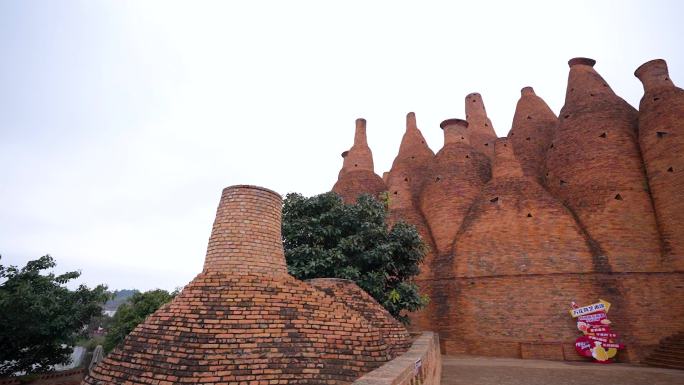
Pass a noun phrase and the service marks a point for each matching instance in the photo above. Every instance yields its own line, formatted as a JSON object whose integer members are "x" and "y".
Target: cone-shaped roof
{"x": 235, "y": 324}
{"x": 505, "y": 163}
{"x": 482, "y": 134}
{"x": 410, "y": 164}
{"x": 585, "y": 85}
{"x": 359, "y": 156}
{"x": 534, "y": 126}
{"x": 357, "y": 175}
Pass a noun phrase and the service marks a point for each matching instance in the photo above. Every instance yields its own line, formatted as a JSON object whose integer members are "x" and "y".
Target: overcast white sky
{"x": 121, "y": 121}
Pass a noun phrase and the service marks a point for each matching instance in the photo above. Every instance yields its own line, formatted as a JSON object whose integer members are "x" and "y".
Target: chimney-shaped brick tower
{"x": 357, "y": 176}
{"x": 245, "y": 238}
{"x": 595, "y": 168}
{"x": 534, "y": 126}
{"x": 661, "y": 137}
{"x": 482, "y": 134}
{"x": 244, "y": 319}
{"x": 454, "y": 180}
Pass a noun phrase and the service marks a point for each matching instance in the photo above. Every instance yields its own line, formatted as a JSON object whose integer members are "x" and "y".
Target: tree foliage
{"x": 325, "y": 238}
{"x": 40, "y": 317}
{"x": 132, "y": 313}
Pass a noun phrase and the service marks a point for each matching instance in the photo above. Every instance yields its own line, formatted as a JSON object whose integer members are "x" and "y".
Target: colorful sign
{"x": 598, "y": 341}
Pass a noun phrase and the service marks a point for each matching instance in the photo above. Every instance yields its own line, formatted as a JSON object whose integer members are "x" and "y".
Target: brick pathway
{"x": 471, "y": 370}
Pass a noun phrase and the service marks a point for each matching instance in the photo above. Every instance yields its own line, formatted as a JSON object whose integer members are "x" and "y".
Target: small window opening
{"x": 528, "y": 138}
{"x": 603, "y": 135}
{"x": 529, "y": 117}
{"x": 670, "y": 169}
{"x": 566, "y": 116}
{"x": 395, "y": 193}
{"x": 618, "y": 197}
{"x": 494, "y": 200}
{"x": 486, "y": 144}
{"x": 661, "y": 134}
{"x": 438, "y": 179}
{"x": 656, "y": 99}
{"x": 591, "y": 95}
{"x": 529, "y": 215}
{"x": 562, "y": 182}
{"x": 356, "y": 165}
{"x": 467, "y": 156}
{"x": 551, "y": 145}
{"x": 405, "y": 179}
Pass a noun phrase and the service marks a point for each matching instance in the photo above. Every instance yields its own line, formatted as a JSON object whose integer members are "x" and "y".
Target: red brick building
{"x": 572, "y": 208}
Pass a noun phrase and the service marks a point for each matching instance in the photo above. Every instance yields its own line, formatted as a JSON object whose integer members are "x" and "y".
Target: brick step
{"x": 664, "y": 363}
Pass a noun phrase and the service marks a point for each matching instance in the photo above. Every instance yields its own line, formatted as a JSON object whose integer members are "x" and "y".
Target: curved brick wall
{"x": 357, "y": 175}
{"x": 482, "y": 134}
{"x": 595, "y": 168}
{"x": 515, "y": 227}
{"x": 233, "y": 324}
{"x": 661, "y": 136}
{"x": 455, "y": 177}
{"x": 534, "y": 126}
{"x": 357, "y": 299}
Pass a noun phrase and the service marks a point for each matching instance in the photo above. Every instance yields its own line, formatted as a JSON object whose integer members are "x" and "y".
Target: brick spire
{"x": 654, "y": 75}
{"x": 246, "y": 236}
{"x": 359, "y": 156}
{"x": 482, "y": 133}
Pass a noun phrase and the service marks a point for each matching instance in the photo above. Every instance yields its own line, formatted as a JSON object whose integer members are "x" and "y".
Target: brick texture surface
{"x": 661, "y": 137}
{"x": 533, "y": 130}
{"x": 357, "y": 175}
{"x": 575, "y": 213}
{"x": 245, "y": 320}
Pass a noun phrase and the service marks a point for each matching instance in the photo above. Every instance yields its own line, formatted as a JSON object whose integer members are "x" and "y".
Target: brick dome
{"x": 354, "y": 297}
{"x": 245, "y": 319}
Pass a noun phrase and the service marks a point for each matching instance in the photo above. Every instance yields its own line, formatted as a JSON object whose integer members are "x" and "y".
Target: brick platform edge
{"x": 421, "y": 364}
{"x": 66, "y": 377}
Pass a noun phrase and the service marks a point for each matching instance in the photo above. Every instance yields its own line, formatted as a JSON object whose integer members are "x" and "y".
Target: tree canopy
{"x": 133, "y": 312}
{"x": 40, "y": 317}
{"x": 325, "y": 238}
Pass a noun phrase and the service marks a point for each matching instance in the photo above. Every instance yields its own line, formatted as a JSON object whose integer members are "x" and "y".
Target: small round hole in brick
{"x": 486, "y": 144}
{"x": 413, "y": 157}
{"x": 486, "y": 125}
{"x": 494, "y": 200}
{"x": 396, "y": 192}
{"x": 405, "y": 179}
{"x": 551, "y": 145}
{"x": 467, "y": 156}
{"x": 529, "y": 215}
{"x": 356, "y": 165}
{"x": 529, "y": 117}
{"x": 592, "y": 95}
{"x": 670, "y": 169}
{"x": 462, "y": 138}
{"x": 528, "y": 138}
{"x": 656, "y": 99}
{"x": 422, "y": 142}
{"x": 566, "y": 116}
{"x": 618, "y": 197}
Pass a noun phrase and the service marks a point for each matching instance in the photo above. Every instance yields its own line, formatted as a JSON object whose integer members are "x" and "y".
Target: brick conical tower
{"x": 506, "y": 237}
{"x": 595, "y": 168}
{"x": 404, "y": 184}
{"x": 454, "y": 180}
{"x": 245, "y": 319}
{"x": 661, "y": 137}
{"x": 357, "y": 176}
{"x": 534, "y": 126}
{"x": 482, "y": 134}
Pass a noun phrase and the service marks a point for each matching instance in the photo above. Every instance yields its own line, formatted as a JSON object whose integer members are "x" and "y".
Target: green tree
{"x": 325, "y": 238}
{"x": 132, "y": 313}
{"x": 40, "y": 318}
